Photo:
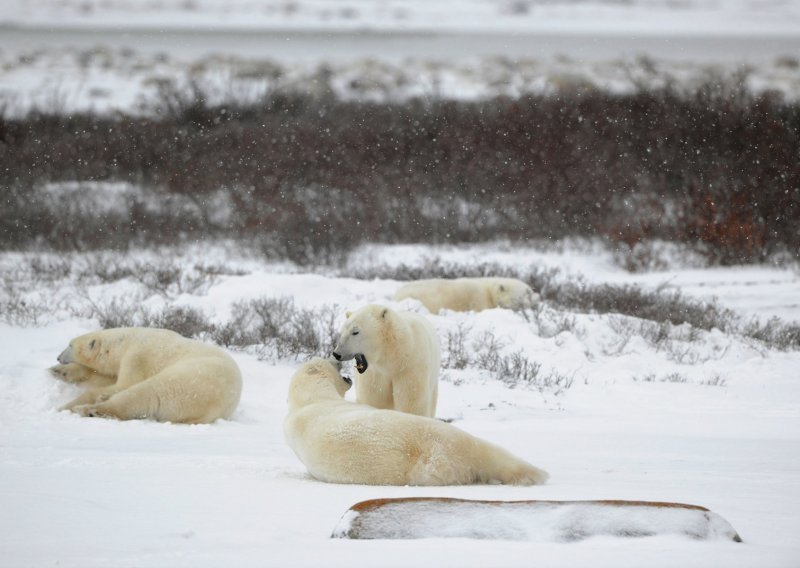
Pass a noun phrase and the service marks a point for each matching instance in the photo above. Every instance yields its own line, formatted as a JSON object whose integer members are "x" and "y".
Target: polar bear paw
{"x": 86, "y": 410}
{"x": 70, "y": 372}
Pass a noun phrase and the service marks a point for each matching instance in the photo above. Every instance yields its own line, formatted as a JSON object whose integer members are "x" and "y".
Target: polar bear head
{"x": 513, "y": 294}
{"x": 316, "y": 381}
{"x": 365, "y": 331}
{"x": 94, "y": 350}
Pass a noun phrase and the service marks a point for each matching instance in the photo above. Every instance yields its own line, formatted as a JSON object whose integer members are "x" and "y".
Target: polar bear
{"x": 469, "y": 294}
{"x": 397, "y": 355}
{"x": 140, "y": 372}
{"x": 345, "y": 442}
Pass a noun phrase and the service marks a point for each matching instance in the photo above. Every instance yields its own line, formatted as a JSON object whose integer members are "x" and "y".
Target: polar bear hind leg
{"x": 187, "y": 392}
{"x": 496, "y": 465}
{"x": 139, "y": 401}
{"x": 91, "y": 396}
{"x": 133, "y": 368}
{"x": 457, "y": 458}
{"x": 414, "y": 403}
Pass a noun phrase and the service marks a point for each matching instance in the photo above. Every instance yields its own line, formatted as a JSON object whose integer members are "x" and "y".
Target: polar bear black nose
{"x": 336, "y": 356}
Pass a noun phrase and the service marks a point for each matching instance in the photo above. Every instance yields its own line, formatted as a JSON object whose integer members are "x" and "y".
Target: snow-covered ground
{"x": 705, "y": 418}
{"x": 682, "y": 18}
{"x": 96, "y": 77}
{"x": 112, "y": 55}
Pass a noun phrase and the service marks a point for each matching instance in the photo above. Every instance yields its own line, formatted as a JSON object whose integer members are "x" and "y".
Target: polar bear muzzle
{"x": 361, "y": 360}
{"x": 67, "y": 356}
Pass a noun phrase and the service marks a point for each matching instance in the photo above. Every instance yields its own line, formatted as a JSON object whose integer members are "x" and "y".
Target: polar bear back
{"x": 462, "y": 294}
{"x": 154, "y": 353}
{"x": 469, "y": 294}
{"x": 348, "y": 440}
{"x": 198, "y": 389}
{"x": 344, "y": 442}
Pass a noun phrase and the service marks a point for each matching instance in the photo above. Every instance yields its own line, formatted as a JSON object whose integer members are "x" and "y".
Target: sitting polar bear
{"x": 150, "y": 373}
{"x": 398, "y": 356}
{"x": 344, "y": 442}
{"x": 469, "y": 294}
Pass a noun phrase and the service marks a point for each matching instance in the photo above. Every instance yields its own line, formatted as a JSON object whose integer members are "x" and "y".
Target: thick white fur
{"x": 150, "y": 373}
{"x": 403, "y": 356}
{"x": 469, "y": 294}
{"x": 344, "y": 442}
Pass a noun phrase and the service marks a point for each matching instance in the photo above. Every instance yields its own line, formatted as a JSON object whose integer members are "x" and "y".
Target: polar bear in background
{"x": 150, "y": 373}
{"x": 397, "y": 355}
{"x": 469, "y": 294}
{"x": 343, "y": 442}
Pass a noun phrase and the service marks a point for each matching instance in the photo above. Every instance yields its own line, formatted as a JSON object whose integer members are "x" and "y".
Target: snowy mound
{"x": 541, "y": 521}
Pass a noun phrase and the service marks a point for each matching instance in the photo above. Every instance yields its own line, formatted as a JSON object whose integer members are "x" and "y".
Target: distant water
{"x": 313, "y": 45}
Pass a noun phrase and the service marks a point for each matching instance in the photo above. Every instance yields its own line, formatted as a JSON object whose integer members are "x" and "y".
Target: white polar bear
{"x": 344, "y": 442}
{"x": 469, "y": 294}
{"x": 397, "y": 355}
{"x": 150, "y": 373}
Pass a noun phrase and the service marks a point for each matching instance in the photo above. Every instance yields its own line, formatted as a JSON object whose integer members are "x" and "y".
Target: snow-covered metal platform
{"x": 555, "y": 521}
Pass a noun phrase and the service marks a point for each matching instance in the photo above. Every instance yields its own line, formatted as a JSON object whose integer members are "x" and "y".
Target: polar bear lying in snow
{"x": 397, "y": 355}
{"x": 469, "y": 294}
{"x": 150, "y": 373}
{"x": 343, "y": 442}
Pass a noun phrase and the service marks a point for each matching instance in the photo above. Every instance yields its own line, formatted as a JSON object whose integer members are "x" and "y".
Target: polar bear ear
{"x": 347, "y": 314}
{"x": 383, "y": 313}
{"x": 502, "y": 287}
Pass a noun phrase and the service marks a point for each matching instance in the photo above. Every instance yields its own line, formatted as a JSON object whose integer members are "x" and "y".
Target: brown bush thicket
{"x": 280, "y": 328}
{"x": 308, "y": 178}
